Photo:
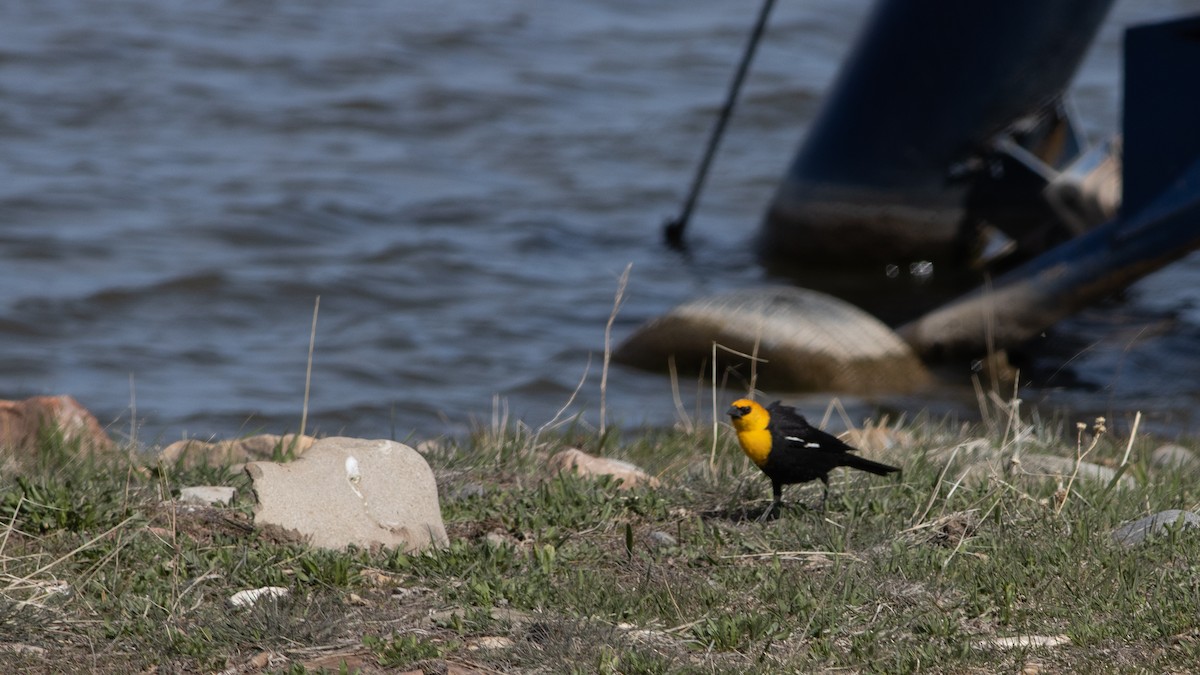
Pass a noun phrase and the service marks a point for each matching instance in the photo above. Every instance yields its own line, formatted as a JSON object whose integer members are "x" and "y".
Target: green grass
{"x": 100, "y": 572}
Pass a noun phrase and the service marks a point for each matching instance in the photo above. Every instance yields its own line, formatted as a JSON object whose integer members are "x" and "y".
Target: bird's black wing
{"x": 809, "y": 453}
{"x": 792, "y": 430}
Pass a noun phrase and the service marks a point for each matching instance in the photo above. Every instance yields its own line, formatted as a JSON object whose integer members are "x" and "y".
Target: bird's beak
{"x": 734, "y": 412}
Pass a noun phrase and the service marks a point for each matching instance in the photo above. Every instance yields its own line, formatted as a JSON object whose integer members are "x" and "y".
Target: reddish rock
{"x": 190, "y": 453}
{"x": 22, "y": 423}
{"x": 584, "y": 464}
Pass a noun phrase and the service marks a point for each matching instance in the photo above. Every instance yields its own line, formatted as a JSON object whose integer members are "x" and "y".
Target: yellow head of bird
{"x": 746, "y": 415}
{"x": 750, "y": 420}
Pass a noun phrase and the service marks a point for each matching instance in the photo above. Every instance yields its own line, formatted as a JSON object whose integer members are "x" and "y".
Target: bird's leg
{"x": 824, "y": 495}
{"x": 773, "y": 511}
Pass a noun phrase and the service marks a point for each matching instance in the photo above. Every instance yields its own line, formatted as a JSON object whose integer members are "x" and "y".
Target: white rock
{"x": 497, "y": 540}
{"x": 350, "y": 491}
{"x": 208, "y": 494}
{"x": 251, "y": 596}
{"x": 1023, "y": 642}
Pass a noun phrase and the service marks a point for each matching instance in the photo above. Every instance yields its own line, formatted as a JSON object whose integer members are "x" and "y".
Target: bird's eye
{"x": 745, "y": 410}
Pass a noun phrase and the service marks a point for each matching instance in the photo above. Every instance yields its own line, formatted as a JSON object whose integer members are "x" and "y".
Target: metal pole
{"x": 673, "y": 229}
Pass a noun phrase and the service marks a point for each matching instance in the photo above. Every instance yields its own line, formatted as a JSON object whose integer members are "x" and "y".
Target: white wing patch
{"x": 807, "y": 444}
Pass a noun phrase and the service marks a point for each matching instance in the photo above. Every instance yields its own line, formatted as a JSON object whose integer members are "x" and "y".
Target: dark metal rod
{"x": 673, "y": 230}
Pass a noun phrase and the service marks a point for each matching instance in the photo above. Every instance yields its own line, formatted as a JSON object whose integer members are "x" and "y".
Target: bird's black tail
{"x": 864, "y": 464}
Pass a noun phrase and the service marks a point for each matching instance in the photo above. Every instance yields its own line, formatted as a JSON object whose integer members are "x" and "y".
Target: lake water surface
{"x": 462, "y": 184}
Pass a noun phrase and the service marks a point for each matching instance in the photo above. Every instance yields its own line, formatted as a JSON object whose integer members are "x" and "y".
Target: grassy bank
{"x": 102, "y": 571}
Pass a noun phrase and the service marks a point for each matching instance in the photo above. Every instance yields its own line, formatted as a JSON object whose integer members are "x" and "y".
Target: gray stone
{"x": 1035, "y": 469}
{"x": 1053, "y": 465}
{"x": 661, "y": 539}
{"x": 350, "y": 491}
{"x": 1139, "y": 530}
{"x": 208, "y": 494}
{"x": 809, "y": 341}
{"x": 1173, "y": 456}
{"x": 465, "y": 491}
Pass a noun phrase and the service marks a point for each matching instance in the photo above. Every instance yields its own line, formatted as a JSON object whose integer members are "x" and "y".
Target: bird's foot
{"x": 771, "y": 513}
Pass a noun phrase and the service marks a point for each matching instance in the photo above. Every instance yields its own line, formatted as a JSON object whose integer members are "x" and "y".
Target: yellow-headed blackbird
{"x": 780, "y": 441}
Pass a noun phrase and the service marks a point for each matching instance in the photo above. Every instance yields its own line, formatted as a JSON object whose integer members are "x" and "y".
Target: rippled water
{"x": 461, "y": 185}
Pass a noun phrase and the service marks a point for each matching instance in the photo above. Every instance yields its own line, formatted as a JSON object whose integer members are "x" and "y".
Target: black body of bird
{"x": 789, "y": 450}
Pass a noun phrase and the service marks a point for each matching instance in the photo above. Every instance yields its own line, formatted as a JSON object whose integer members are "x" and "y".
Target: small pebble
{"x": 497, "y": 540}
{"x": 252, "y": 596}
{"x": 207, "y": 494}
{"x": 465, "y": 491}
{"x": 661, "y": 539}
{"x": 490, "y": 642}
